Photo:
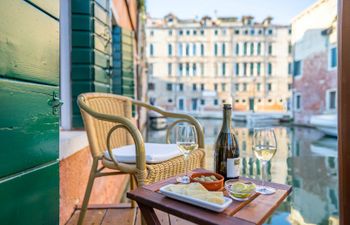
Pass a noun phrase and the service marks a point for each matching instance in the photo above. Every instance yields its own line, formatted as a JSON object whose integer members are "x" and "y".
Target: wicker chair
{"x": 103, "y": 114}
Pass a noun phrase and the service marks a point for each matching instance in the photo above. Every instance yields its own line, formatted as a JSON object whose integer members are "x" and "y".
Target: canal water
{"x": 305, "y": 159}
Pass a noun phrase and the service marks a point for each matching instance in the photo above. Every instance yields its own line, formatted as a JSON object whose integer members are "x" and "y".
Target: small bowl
{"x": 209, "y": 185}
{"x": 239, "y": 195}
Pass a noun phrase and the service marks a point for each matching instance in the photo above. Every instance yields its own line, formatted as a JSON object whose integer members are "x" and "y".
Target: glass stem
{"x": 186, "y": 169}
{"x": 263, "y": 173}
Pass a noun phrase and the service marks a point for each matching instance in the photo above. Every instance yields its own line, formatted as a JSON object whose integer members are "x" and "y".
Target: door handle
{"x": 55, "y": 102}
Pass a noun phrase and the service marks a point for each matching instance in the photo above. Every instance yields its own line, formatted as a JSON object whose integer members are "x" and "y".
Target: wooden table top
{"x": 253, "y": 211}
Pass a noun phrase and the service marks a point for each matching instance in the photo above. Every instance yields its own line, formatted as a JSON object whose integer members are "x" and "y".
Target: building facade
{"x": 314, "y": 39}
{"x": 197, "y": 65}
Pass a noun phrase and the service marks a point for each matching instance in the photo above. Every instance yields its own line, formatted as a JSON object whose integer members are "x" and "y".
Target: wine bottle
{"x": 227, "y": 161}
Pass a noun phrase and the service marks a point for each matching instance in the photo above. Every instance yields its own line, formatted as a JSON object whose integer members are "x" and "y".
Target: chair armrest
{"x": 188, "y": 118}
{"x": 122, "y": 123}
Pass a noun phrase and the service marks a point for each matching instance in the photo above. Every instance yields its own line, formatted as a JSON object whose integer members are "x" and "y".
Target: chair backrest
{"x": 97, "y": 129}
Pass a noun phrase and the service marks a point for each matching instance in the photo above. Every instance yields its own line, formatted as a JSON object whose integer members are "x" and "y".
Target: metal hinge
{"x": 55, "y": 103}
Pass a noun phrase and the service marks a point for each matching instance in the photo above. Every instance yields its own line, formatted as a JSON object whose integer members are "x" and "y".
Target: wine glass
{"x": 186, "y": 140}
{"x": 264, "y": 147}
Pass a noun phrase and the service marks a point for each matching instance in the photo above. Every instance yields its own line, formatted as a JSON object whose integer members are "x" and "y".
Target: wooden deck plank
{"x": 92, "y": 217}
{"x": 120, "y": 216}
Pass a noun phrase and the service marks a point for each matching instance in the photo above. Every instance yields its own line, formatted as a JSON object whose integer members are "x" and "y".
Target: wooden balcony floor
{"x": 120, "y": 215}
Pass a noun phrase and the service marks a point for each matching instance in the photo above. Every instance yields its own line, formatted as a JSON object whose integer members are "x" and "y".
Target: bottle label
{"x": 233, "y": 167}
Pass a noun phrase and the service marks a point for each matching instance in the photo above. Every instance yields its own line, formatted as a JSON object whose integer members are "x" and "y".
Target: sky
{"x": 281, "y": 10}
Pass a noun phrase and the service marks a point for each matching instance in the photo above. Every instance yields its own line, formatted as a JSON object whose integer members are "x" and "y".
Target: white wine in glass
{"x": 186, "y": 140}
{"x": 265, "y": 147}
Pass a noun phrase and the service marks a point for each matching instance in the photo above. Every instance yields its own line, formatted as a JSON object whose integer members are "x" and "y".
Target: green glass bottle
{"x": 227, "y": 161}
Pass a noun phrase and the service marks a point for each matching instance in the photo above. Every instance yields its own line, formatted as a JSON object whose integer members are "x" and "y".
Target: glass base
{"x": 183, "y": 180}
{"x": 265, "y": 190}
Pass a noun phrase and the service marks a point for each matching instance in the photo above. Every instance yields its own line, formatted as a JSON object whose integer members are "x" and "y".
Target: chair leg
{"x": 88, "y": 191}
{"x": 132, "y": 187}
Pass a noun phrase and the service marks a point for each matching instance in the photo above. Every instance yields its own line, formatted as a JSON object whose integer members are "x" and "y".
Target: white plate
{"x": 196, "y": 202}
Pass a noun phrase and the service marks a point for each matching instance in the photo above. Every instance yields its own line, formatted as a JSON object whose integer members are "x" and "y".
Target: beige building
{"x": 197, "y": 65}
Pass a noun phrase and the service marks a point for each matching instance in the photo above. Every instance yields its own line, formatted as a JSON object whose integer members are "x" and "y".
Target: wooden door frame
{"x": 344, "y": 109}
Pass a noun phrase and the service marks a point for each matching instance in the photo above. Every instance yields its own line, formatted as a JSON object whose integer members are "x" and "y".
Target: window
{"x": 170, "y": 69}
{"x": 187, "y": 69}
{"x": 215, "y": 49}
{"x": 202, "y": 49}
{"x": 170, "y": 50}
{"x": 150, "y": 69}
{"x": 223, "y": 65}
{"x": 179, "y": 49}
{"x": 290, "y": 68}
{"x": 245, "y": 48}
{"x": 187, "y": 32}
{"x": 237, "y": 69}
{"x": 223, "y": 32}
{"x": 269, "y": 86}
{"x": 270, "y": 49}
{"x": 216, "y": 32}
{"x": 270, "y": 31}
{"x": 151, "y": 32}
{"x": 258, "y": 86}
{"x": 237, "y": 49}
{"x": 151, "y": 86}
{"x": 289, "y": 87}
{"x": 194, "y": 32}
{"x": 297, "y": 101}
{"x": 259, "y": 49}
{"x": 202, "y": 102}
{"x": 194, "y": 87}
{"x": 245, "y": 69}
{"x": 290, "y": 48}
{"x": 215, "y": 87}
{"x": 246, "y": 32}
{"x": 202, "y": 32}
{"x": 170, "y": 100}
{"x": 181, "y": 105}
{"x": 194, "y": 69}
{"x": 244, "y": 86}
{"x": 269, "y": 69}
{"x": 331, "y": 100}
{"x": 194, "y": 49}
{"x": 260, "y": 32}
{"x": 237, "y": 87}
{"x": 169, "y": 86}
{"x": 258, "y": 68}
{"x": 223, "y": 87}
{"x": 181, "y": 32}
{"x": 151, "y": 50}
{"x": 251, "y": 48}
{"x": 181, "y": 87}
{"x": 252, "y": 32}
{"x": 202, "y": 69}
{"x": 180, "y": 69}
{"x": 216, "y": 102}
{"x": 223, "y": 50}
{"x": 237, "y": 31}
{"x": 332, "y": 59}
{"x": 187, "y": 49}
{"x": 297, "y": 68}
{"x": 251, "y": 69}
{"x": 202, "y": 87}
{"x": 170, "y": 32}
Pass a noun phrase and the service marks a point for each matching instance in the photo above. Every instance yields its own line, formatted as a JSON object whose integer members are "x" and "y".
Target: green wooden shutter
{"x": 123, "y": 62}
{"x": 91, "y": 50}
{"x": 29, "y": 76}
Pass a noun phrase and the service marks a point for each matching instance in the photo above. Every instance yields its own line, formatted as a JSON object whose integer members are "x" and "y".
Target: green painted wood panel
{"x": 51, "y": 7}
{"x": 90, "y": 40}
{"x": 92, "y": 9}
{"x": 87, "y": 23}
{"x": 87, "y": 86}
{"x": 89, "y": 56}
{"x": 87, "y": 73}
{"x": 31, "y": 197}
{"x": 29, "y": 43}
{"x": 28, "y": 128}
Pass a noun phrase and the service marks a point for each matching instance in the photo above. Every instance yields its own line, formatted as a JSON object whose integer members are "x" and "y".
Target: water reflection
{"x": 304, "y": 159}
